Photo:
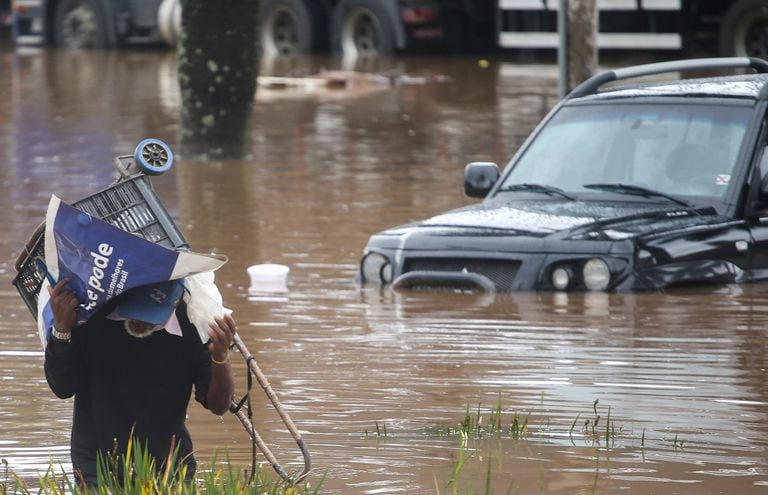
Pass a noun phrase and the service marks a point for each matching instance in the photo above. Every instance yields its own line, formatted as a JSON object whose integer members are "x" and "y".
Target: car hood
{"x": 595, "y": 219}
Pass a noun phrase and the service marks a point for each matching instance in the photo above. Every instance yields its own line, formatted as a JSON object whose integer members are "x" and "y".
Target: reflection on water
{"x": 681, "y": 374}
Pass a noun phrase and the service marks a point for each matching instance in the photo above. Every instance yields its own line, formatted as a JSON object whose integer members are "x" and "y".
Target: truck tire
{"x": 362, "y": 28}
{"x": 744, "y": 31}
{"x": 289, "y": 27}
{"x": 79, "y": 24}
{"x": 169, "y": 21}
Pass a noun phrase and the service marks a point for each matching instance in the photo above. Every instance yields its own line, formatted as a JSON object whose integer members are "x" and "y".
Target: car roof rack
{"x": 591, "y": 85}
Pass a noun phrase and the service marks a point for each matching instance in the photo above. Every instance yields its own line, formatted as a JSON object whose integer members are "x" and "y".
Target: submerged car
{"x": 620, "y": 188}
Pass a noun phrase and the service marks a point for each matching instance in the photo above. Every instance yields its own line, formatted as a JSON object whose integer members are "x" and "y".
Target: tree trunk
{"x": 218, "y": 66}
{"x": 582, "y": 40}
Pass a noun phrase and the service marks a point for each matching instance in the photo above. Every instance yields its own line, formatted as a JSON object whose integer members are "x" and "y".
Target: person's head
{"x": 149, "y": 307}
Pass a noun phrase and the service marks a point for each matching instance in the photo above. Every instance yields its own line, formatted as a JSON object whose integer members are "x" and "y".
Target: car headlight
{"x": 596, "y": 274}
{"x": 376, "y": 268}
{"x": 561, "y": 277}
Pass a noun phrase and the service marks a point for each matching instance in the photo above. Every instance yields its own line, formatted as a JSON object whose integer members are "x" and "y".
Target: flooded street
{"x": 378, "y": 382}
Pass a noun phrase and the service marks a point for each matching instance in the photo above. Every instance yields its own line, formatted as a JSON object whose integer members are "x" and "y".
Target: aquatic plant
{"x": 473, "y": 426}
{"x": 135, "y": 473}
{"x": 379, "y": 431}
{"x": 592, "y": 429}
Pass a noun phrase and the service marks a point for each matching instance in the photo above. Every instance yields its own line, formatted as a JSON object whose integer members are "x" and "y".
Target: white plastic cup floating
{"x": 268, "y": 277}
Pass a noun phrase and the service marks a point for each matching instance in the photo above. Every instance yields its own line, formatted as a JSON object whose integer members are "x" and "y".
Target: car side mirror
{"x": 479, "y": 178}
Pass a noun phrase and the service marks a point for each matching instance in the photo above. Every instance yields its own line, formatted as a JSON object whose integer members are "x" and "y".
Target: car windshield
{"x": 679, "y": 149}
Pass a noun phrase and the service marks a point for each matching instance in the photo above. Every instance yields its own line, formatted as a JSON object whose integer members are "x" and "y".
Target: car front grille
{"x": 500, "y": 272}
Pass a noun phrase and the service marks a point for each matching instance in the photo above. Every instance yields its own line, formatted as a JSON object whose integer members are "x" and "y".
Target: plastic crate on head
{"x": 130, "y": 204}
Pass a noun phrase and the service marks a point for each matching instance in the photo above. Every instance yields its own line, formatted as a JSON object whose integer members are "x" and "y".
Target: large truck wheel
{"x": 169, "y": 21}
{"x": 79, "y": 24}
{"x": 744, "y": 31}
{"x": 289, "y": 27}
{"x": 362, "y": 28}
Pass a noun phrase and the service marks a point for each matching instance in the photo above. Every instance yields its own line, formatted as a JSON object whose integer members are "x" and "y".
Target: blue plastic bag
{"x": 102, "y": 261}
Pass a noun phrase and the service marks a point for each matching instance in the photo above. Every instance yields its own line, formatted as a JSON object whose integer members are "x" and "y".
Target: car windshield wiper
{"x": 637, "y": 191}
{"x": 541, "y": 188}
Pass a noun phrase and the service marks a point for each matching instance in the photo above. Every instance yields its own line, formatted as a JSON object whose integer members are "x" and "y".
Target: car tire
{"x": 362, "y": 28}
{"x": 79, "y": 24}
{"x": 290, "y": 27}
{"x": 744, "y": 31}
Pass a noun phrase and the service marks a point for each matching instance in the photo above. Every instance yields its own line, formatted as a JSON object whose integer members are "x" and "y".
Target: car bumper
{"x": 533, "y": 272}
{"x": 488, "y": 271}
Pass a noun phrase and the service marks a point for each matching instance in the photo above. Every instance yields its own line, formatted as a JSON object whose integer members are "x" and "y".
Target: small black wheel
{"x": 153, "y": 157}
{"x": 78, "y": 24}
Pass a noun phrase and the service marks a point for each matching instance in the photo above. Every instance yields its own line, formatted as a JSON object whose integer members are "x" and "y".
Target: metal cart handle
{"x": 264, "y": 383}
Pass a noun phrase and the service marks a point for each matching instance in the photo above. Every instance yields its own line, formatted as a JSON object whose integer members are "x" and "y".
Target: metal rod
{"x": 563, "y": 48}
{"x": 264, "y": 383}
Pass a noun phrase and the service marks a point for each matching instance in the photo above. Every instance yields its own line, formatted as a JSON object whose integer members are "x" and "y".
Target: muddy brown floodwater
{"x": 682, "y": 375}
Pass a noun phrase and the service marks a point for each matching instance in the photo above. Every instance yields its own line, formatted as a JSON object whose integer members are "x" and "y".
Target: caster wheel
{"x": 153, "y": 157}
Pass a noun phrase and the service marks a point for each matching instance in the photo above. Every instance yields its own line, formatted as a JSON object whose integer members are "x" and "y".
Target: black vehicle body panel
{"x": 679, "y": 246}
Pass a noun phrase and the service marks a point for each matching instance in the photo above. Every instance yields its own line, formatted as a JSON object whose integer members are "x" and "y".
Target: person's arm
{"x": 63, "y": 366}
{"x": 222, "y": 386}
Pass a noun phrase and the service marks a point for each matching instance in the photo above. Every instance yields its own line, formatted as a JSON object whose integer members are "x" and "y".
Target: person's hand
{"x": 222, "y": 334}
{"x": 64, "y": 305}
{"x": 222, "y": 388}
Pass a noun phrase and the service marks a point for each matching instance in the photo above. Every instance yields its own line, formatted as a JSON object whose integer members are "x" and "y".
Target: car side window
{"x": 764, "y": 163}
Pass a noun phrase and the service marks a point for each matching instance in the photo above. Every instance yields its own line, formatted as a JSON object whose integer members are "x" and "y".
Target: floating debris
{"x": 339, "y": 83}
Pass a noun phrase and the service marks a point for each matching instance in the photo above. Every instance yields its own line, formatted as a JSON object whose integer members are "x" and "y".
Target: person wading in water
{"x": 131, "y": 369}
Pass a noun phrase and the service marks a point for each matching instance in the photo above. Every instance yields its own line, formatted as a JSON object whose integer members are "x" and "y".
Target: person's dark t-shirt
{"x": 124, "y": 385}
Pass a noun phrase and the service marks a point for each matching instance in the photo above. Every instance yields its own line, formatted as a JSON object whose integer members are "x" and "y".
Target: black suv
{"x": 627, "y": 188}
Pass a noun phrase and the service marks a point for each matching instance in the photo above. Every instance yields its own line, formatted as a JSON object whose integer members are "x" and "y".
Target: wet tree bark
{"x": 582, "y": 40}
{"x": 218, "y": 65}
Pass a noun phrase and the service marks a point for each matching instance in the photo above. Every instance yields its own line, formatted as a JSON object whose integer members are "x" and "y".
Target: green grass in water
{"x": 135, "y": 473}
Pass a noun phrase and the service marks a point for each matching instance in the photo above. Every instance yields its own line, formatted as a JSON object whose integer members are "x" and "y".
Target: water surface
{"x": 681, "y": 374}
